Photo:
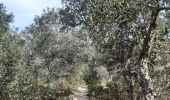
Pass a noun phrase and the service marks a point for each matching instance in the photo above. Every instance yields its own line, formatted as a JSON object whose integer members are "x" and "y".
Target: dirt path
{"x": 80, "y": 93}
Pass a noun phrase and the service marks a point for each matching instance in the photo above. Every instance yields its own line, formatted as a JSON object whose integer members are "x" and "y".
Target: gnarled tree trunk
{"x": 145, "y": 80}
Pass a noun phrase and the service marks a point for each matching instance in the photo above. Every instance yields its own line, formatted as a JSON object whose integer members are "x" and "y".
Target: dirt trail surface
{"x": 80, "y": 93}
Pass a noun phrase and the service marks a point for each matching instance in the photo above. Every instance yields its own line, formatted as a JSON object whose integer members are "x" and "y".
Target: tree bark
{"x": 145, "y": 80}
{"x": 130, "y": 87}
{"x": 129, "y": 80}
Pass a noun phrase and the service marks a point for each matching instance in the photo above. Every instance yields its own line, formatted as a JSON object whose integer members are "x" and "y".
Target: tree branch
{"x": 146, "y": 42}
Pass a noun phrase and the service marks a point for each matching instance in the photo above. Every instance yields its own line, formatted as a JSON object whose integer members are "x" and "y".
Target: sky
{"x": 24, "y": 11}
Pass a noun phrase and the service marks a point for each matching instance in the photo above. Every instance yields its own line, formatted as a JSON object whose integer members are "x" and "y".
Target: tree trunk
{"x": 129, "y": 85}
{"x": 130, "y": 90}
{"x": 146, "y": 82}
{"x": 128, "y": 78}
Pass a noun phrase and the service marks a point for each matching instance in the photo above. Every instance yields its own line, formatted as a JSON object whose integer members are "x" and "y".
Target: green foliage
{"x": 126, "y": 33}
{"x": 57, "y": 58}
{"x": 9, "y": 52}
{"x": 5, "y": 19}
{"x": 92, "y": 41}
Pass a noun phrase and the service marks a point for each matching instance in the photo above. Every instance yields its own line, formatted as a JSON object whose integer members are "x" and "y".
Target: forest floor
{"x": 80, "y": 93}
